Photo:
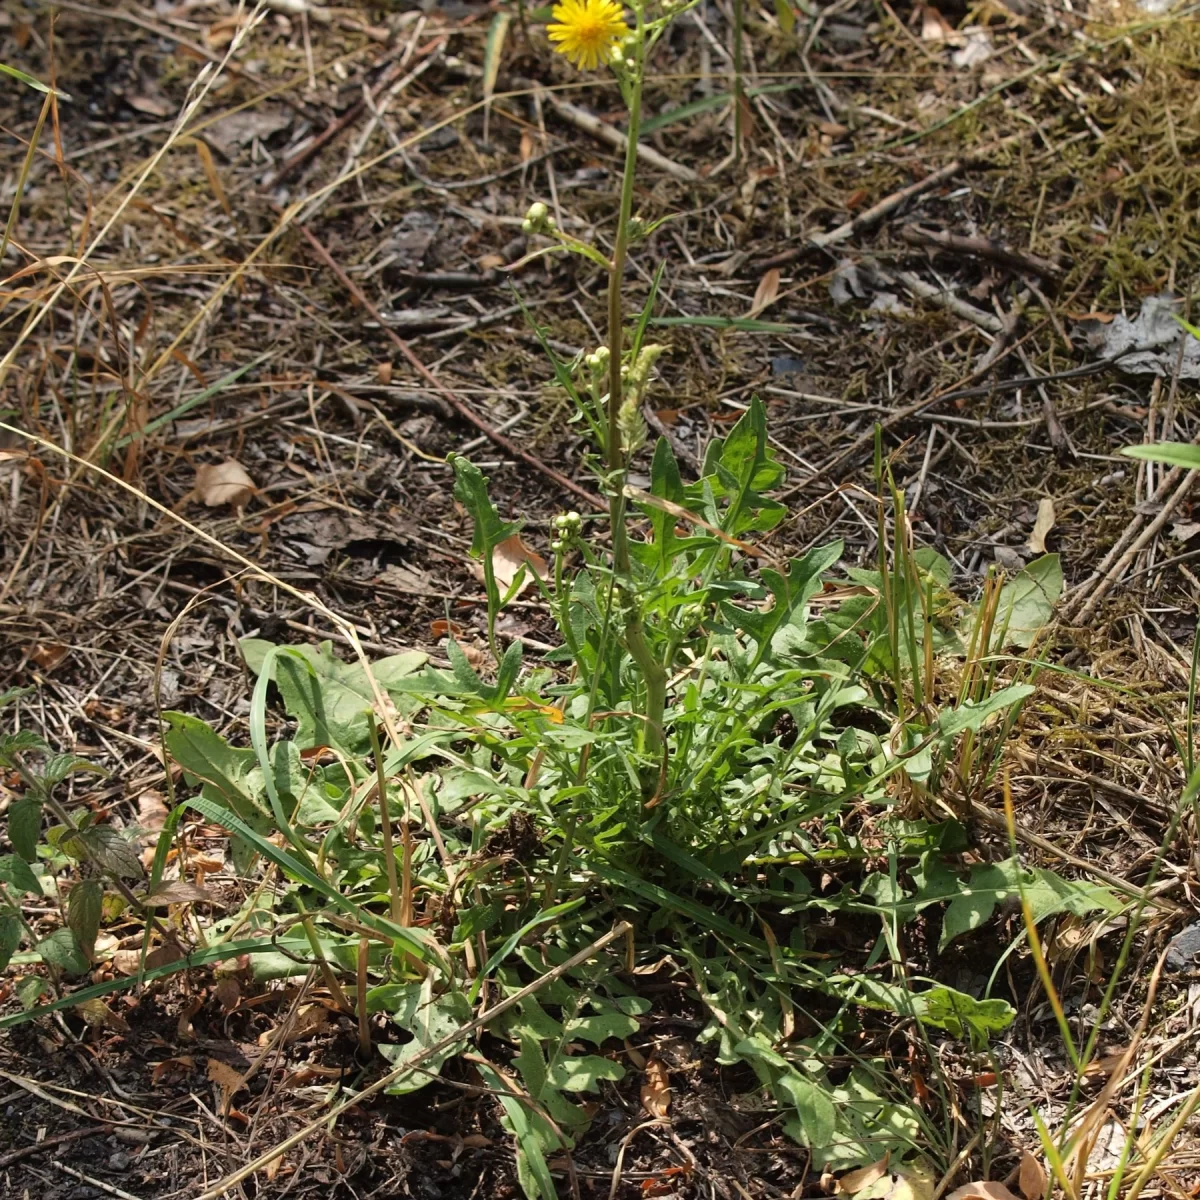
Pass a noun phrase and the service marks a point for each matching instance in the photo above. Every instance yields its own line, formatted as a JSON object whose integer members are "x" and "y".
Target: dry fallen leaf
{"x": 982, "y": 1190}
{"x": 97, "y": 1014}
{"x": 227, "y": 1079}
{"x": 856, "y": 1181}
{"x": 178, "y": 891}
{"x": 934, "y": 27}
{"x": 1032, "y": 1177}
{"x": 224, "y": 483}
{"x": 766, "y": 293}
{"x": 509, "y": 556}
{"x": 1042, "y": 526}
{"x": 656, "y": 1091}
{"x": 312, "y": 1018}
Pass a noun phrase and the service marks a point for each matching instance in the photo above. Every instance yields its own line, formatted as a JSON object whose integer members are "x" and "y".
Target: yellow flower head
{"x": 587, "y": 31}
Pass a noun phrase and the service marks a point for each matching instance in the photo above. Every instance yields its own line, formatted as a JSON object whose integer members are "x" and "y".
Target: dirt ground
{"x": 1053, "y": 157}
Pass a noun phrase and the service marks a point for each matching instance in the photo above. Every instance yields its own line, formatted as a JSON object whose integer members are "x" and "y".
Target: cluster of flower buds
{"x": 537, "y": 219}
{"x": 568, "y": 526}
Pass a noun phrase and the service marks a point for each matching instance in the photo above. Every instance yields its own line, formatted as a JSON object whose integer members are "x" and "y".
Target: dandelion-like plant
{"x": 587, "y": 31}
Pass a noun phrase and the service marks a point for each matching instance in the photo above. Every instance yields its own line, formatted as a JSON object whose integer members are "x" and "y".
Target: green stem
{"x": 653, "y": 673}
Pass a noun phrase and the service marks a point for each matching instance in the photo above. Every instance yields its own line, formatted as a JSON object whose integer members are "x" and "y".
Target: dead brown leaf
{"x": 509, "y": 556}
{"x": 766, "y": 293}
{"x": 856, "y": 1181}
{"x": 48, "y": 655}
{"x": 934, "y": 27}
{"x": 1032, "y": 1177}
{"x": 178, "y": 891}
{"x": 227, "y": 1079}
{"x": 224, "y": 483}
{"x": 656, "y": 1091}
{"x": 311, "y": 1019}
{"x": 982, "y": 1190}
{"x": 1042, "y": 525}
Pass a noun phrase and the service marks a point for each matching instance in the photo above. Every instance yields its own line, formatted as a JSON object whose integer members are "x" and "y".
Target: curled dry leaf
{"x": 656, "y": 1091}
{"x": 224, "y": 483}
{"x": 766, "y": 293}
{"x": 509, "y": 556}
{"x": 982, "y": 1189}
{"x": 178, "y": 891}
{"x": 227, "y": 1079}
{"x": 1042, "y": 525}
{"x": 1032, "y": 1177}
{"x": 854, "y": 1182}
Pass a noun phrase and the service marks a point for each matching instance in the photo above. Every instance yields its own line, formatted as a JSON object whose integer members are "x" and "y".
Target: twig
{"x": 451, "y": 1039}
{"x": 96, "y": 1183}
{"x": 591, "y": 124}
{"x": 941, "y": 298}
{"x": 1147, "y": 535}
{"x": 459, "y": 406}
{"x": 58, "y": 1139}
{"x": 982, "y": 247}
{"x": 889, "y": 204}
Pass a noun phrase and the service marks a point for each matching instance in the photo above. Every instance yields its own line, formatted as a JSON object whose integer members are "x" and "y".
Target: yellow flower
{"x": 587, "y": 31}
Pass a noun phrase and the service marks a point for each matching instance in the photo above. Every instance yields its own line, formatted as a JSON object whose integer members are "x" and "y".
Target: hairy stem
{"x": 653, "y": 674}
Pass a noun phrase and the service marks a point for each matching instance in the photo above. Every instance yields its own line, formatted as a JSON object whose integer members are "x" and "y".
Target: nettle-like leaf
{"x": 62, "y": 951}
{"x": 10, "y": 937}
{"x": 83, "y": 912}
{"x": 331, "y": 700}
{"x": 428, "y": 1018}
{"x": 24, "y": 826}
{"x": 972, "y": 902}
{"x": 111, "y": 850}
{"x": 15, "y": 872}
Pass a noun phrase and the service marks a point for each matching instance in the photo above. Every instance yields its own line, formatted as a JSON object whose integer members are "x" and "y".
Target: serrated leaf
{"x": 584, "y": 1072}
{"x": 59, "y": 766}
{"x": 110, "y": 849}
{"x": 973, "y": 902}
{"x": 29, "y": 990}
{"x": 83, "y": 912}
{"x": 16, "y": 873}
{"x": 10, "y": 937}
{"x": 428, "y": 1018}
{"x": 598, "y": 1027}
{"x": 24, "y": 826}
{"x": 61, "y": 950}
{"x": 23, "y": 741}
{"x": 229, "y": 775}
{"x": 532, "y": 1064}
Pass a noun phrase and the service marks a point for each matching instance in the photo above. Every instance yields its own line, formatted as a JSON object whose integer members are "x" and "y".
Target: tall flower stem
{"x": 653, "y": 672}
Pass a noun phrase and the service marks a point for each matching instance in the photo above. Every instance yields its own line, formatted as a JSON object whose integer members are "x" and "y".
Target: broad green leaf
{"x": 599, "y": 1027}
{"x": 16, "y": 873}
{"x": 229, "y": 774}
{"x": 59, "y": 766}
{"x": 818, "y": 1117}
{"x": 110, "y": 849}
{"x": 24, "y": 826}
{"x": 62, "y": 950}
{"x": 428, "y": 1018}
{"x": 787, "y": 16}
{"x": 29, "y": 991}
{"x": 1174, "y": 454}
{"x": 10, "y": 937}
{"x": 532, "y": 1169}
{"x": 1027, "y": 602}
{"x": 953, "y": 721}
{"x": 330, "y": 699}
{"x": 939, "y": 1006}
{"x": 83, "y": 912}
{"x": 973, "y": 902}
{"x": 584, "y": 1072}
{"x": 24, "y": 741}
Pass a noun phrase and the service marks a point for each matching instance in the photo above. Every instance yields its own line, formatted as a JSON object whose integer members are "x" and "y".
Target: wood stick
{"x": 889, "y": 204}
{"x": 235, "y": 1177}
{"x": 592, "y": 125}
{"x": 982, "y": 247}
